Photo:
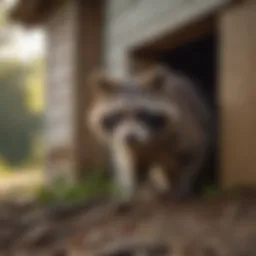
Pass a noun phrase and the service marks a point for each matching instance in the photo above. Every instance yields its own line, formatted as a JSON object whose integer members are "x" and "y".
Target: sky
{"x": 27, "y": 43}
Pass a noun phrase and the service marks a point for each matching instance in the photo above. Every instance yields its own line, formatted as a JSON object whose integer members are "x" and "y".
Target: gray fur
{"x": 190, "y": 123}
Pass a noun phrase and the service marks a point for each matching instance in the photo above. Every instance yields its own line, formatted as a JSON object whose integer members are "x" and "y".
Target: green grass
{"x": 93, "y": 186}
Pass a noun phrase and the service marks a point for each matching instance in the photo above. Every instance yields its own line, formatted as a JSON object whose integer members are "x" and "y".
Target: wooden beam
{"x": 89, "y": 55}
{"x": 237, "y": 93}
{"x": 34, "y": 12}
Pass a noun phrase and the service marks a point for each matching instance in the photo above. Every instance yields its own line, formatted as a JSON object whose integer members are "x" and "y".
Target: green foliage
{"x": 17, "y": 123}
{"x": 94, "y": 186}
{"x": 21, "y": 98}
{"x": 35, "y": 85}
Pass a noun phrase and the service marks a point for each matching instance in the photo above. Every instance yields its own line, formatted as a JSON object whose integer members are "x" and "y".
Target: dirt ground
{"x": 224, "y": 225}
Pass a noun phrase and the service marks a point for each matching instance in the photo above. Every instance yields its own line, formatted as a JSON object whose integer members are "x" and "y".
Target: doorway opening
{"x": 197, "y": 59}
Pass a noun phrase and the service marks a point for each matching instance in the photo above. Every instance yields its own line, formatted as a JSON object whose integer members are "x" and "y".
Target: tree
{"x": 35, "y": 85}
{"x": 21, "y": 96}
{"x": 17, "y": 123}
{"x": 35, "y": 93}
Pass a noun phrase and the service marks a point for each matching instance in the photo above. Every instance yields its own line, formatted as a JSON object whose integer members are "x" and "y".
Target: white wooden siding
{"x": 134, "y": 22}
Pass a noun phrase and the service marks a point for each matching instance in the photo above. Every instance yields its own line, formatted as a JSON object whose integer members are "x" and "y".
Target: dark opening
{"x": 198, "y": 60}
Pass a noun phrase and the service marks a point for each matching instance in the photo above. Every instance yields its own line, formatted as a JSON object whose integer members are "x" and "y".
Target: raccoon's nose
{"x": 131, "y": 138}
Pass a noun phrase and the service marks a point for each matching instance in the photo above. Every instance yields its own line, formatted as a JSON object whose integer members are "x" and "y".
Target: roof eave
{"x": 33, "y": 12}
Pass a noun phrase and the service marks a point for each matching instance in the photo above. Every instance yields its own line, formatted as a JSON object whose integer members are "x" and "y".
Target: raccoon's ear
{"x": 102, "y": 83}
{"x": 155, "y": 78}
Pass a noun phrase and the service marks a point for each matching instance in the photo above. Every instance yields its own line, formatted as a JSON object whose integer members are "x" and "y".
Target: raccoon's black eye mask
{"x": 109, "y": 122}
{"x": 154, "y": 121}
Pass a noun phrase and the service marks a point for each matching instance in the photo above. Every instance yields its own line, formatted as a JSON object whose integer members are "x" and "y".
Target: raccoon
{"x": 157, "y": 128}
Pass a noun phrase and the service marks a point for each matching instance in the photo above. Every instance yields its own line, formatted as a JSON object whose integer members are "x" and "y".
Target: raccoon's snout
{"x": 131, "y": 133}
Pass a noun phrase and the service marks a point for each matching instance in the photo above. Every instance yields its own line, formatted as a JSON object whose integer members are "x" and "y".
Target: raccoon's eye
{"x": 154, "y": 121}
{"x": 111, "y": 121}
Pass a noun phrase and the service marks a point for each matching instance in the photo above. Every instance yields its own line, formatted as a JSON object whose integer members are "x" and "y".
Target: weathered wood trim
{"x": 237, "y": 94}
{"x": 148, "y": 54}
{"x": 34, "y": 12}
{"x": 89, "y": 57}
{"x": 61, "y": 36}
{"x": 123, "y": 37}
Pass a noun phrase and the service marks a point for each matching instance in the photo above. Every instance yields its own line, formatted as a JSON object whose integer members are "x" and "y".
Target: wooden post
{"x": 89, "y": 55}
{"x": 237, "y": 93}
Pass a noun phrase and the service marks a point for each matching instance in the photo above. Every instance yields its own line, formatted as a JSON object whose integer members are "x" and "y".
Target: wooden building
{"x": 216, "y": 37}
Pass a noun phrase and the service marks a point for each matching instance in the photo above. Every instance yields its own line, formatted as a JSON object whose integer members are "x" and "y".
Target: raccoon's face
{"x": 131, "y": 122}
{"x": 124, "y": 112}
